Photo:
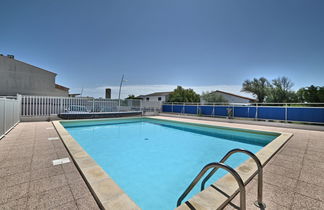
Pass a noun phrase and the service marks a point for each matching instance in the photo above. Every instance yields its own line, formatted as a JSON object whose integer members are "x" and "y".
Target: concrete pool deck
{"x": 28, "y": 178}
{"x": 292, "y": 179}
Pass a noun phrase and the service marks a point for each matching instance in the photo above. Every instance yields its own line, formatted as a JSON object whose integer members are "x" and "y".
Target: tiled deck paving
{"x": 28, "y": 179}
{"x": 293, "y": 179}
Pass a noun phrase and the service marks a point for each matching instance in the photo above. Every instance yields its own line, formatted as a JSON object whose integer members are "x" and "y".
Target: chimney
{"x": 108, "y": 93}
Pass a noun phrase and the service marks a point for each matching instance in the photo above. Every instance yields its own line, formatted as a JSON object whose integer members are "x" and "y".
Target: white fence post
{"x": 4, "y": 116}
{"x": 93, "y": 105}
{"x": 286, "y": 113}
{"x": 61, "y": 105}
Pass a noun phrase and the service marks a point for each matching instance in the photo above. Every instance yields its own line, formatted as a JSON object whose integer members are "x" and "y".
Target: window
{"x": 147, "y": 99}
{"x": 159, "y": 98}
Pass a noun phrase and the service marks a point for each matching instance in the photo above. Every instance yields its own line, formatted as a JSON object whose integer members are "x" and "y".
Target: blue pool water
{"x": 154, "y": 161}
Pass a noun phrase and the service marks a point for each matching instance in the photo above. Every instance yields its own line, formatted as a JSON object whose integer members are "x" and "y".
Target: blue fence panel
{"x": 241, "y": 111}
{"x": 252, "y": 112}
{"x": 271, "y": 113}
{"x": 177, "y": 108}
{"x": 306, "y": 114}
{"x": 245, "y": 111}
{"x": 221, "y": 110}
{"x": 303, "y": 114}
{"x": 191, "y": 109}
{"x": 166, "y": 108}
{"x": 206, "y": 110}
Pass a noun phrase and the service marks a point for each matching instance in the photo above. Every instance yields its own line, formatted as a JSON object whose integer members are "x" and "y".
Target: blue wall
{"x": 302, "y": 114}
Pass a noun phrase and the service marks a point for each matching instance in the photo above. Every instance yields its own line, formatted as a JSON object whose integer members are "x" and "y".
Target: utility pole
{"x": 120, "y": 86}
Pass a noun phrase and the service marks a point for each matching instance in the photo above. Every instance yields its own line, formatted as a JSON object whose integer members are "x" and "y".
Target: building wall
{"x": 230, "y": 99}
{"x": 19, "y": 77}
{"x": 155, "y": 98}
{"x": 234, "y": 99}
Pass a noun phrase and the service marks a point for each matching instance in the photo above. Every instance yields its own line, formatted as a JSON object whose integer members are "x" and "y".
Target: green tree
{"x": 311, "y": 94}
{"x": 212, "y": 97}
{"x": 280, "y": 91}
{"x": 132, "y": 97}
{"x": 258, "y": 87}
{"x": 183, "y": 95}
{"x": 321, "y": 94}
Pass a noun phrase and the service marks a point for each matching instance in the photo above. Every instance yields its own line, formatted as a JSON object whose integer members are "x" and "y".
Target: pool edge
{"x": 106, "y": 192}
{"x": 111, "y": 196}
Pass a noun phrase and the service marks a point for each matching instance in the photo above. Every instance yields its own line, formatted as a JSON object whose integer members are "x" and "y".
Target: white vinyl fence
{"x": 47, "y": 105}
{"x": 9, "y": 113}
{"x": 152, "y": 106}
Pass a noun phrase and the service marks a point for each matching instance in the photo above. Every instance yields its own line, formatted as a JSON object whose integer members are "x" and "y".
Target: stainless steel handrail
{"x": 259, "y": 203}
{"x": 217, "y": 165}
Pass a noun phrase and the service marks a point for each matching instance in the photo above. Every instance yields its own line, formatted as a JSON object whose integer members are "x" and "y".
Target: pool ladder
{"x": 220, "y": 164}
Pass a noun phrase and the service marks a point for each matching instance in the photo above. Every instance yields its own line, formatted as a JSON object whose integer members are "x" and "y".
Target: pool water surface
{"x": 154, "y": 161}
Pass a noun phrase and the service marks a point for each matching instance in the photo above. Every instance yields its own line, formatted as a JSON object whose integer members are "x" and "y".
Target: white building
{"x": 157, "y": 96}
{"x": 233, "y": 98}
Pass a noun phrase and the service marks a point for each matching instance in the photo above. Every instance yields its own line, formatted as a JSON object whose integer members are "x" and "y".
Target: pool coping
{"x": 110, "y": 196}
{"x": 105, "y": 191}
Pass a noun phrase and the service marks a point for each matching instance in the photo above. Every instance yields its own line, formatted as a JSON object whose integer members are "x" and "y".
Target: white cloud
{"x": 147, "y": 89}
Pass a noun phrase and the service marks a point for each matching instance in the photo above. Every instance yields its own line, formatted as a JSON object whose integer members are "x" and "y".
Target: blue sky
{"x": 206, "y": 45}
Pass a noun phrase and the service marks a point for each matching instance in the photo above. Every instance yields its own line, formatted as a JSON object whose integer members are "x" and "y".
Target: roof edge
{"x": 232, "y": 94}
{"x": 14, "y": 59}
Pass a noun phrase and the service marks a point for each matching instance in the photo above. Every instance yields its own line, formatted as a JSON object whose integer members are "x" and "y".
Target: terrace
{"x": 292, "y": 178}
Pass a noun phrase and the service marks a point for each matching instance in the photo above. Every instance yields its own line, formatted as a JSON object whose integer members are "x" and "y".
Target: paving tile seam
{"x": 32, "y": 180}
{"x": 295, "y": 190}
{"x": 284, "y": 187}
{"x": 281, "y": 174}
{"x": 69, "y": 185}
{"x": 296, "y": 193}
{"x": 61, "y": 205}
{"x": 288, "y": 205}
{"x": 16, "y": 199}
{"x": 29, "y": 196}
{"x": 74, "y": 199}
{"x": 71, "y": 162}
{"x": 310, "y": 197}
{"x": 303, "y": 161}
{"x": 30, "y": 177}
{"x": 316, "y": 160}
{"x": 17, "y": 184}
{"x": 44, "y": 191}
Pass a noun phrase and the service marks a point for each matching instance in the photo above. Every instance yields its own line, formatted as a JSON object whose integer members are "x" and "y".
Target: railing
{"x": 9, "y": 113}
{"x": 47, "y": 105}
{"x": 228, "y": 169}
{"x": 215, "y": 166}
{"x": 259, "y": 203}
{"x": 286, "y": 112}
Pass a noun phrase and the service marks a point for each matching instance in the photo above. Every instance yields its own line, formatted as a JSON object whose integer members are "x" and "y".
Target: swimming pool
{"x": 154, "y": 161}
